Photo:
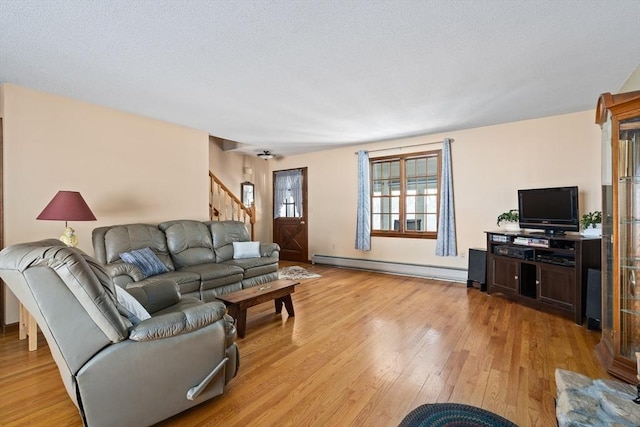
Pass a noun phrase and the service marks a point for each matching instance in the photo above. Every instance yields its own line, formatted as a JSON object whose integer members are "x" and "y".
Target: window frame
{"x": 402, "y": 232}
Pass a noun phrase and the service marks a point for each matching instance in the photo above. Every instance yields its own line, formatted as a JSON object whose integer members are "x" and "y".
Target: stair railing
{"x": 226, "y": 206}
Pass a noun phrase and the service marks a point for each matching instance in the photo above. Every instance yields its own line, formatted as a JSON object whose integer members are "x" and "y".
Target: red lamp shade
{"x": 67, "y": 206}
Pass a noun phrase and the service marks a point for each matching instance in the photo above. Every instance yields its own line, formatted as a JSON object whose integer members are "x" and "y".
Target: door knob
{"x": 302, "y": 222}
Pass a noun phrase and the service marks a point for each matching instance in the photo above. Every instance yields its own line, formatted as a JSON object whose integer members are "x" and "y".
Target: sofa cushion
{"x": 249, "y": 263}
{"x": 217, "y": 276}
{"x": 124, "y": 238}
{"x": 249, "y": 282}
{"x": 156, "y": 296}
{"x": 246, "y": 250}
{"x": 148, "y": 263}
{"x": 189, "y": 242}
{"x": 211, "y": 294}
{"x": 224, "y": 233}
{"x": 213, "y": 271}
{"x": 187, "y": 281}
{"x": 255, "y": 266}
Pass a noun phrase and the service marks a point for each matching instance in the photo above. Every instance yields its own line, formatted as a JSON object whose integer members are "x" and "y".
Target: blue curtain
{"x": 446, "y": 243}
{"x": 363, "y": 223}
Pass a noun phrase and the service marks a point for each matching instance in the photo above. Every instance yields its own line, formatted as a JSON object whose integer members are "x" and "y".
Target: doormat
{"x": 295, "y": 272}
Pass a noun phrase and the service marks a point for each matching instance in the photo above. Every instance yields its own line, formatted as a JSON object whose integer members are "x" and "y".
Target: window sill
{"x": 406, "y": 235}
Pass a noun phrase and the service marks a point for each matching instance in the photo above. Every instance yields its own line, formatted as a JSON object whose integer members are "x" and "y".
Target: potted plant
{"x": 509, "y": 220}
{"x": 591, "y": 223}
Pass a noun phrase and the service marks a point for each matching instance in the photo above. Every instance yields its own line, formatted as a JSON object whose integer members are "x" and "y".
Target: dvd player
{"x": 513, "y": 252}
{"x": 557, "y": 260}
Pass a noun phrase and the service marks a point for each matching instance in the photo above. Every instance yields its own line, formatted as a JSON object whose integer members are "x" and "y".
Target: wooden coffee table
{"x": 238, "y": 302}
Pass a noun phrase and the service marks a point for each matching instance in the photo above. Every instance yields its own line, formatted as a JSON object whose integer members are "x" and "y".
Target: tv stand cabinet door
{"x": 505, "y": 275}
{"x": 557, "y": 286}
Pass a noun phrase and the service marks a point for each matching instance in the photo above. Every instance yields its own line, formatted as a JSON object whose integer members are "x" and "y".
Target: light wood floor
{"x": 363, "y": 350}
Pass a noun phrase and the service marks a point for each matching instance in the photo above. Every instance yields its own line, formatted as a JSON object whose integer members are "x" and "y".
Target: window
{"x": 288, "y": 194}
{"x": 404, "y": 195}
{"x": 288, "y": 207}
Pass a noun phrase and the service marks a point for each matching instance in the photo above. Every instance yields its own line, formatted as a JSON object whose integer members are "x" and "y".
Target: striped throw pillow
{"x": 147, "y": 261}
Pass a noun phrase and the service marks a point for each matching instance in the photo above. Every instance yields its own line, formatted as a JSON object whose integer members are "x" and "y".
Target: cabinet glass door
{"x": 629, "y": 241}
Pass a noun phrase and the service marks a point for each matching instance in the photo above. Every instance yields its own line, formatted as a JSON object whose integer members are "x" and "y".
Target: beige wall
{"x": 127, "y": 167}
{"x": 489, "y": 165}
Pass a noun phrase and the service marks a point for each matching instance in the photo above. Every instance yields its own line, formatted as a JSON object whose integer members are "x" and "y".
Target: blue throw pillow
{"x": 147, "y": 261}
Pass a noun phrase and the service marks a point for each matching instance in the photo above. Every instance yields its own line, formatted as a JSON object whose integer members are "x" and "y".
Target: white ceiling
{"x": 298, "y": 76}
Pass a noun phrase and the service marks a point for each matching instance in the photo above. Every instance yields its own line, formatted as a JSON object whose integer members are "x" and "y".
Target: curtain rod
{"x": 405, "y": 146}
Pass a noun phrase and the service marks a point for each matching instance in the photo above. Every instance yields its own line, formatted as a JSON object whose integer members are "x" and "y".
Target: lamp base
{"x": 68, "y": 238}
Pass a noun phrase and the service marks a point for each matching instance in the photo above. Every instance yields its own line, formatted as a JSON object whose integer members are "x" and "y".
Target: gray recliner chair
{"x": 117, "y": 369}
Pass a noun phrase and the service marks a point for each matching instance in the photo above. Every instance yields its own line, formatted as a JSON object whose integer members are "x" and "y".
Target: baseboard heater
{"x": 417, "y": 270}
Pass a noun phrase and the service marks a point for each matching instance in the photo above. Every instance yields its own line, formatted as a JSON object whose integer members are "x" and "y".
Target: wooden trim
{"x": 615, "y": 104}
{"x": 11, "y": 328}
{"x": 402, "y": 158}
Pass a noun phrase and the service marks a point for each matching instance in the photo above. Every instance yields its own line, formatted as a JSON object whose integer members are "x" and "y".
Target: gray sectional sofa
{"x": 201, "y": 257}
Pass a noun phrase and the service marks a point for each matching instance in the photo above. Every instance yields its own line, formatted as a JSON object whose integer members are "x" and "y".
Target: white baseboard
{"x": 417, "y": 270}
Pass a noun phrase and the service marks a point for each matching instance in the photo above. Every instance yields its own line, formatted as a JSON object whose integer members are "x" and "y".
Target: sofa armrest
{"x": 177, "y": 323}
{"x": 130, "y": 272}
{"x": 267, "y": 249}
{"x": 157, "y": 295}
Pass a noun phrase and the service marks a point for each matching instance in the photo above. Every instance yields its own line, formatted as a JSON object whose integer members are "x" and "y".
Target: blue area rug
{"x": 453, "y": 415}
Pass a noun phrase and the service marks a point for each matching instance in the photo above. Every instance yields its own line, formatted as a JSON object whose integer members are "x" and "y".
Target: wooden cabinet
{"x": 505, "y": 275}
{"x": 557, "y": 286}
{"x": 619, "y": 117}
{"x": 548, "y": 273}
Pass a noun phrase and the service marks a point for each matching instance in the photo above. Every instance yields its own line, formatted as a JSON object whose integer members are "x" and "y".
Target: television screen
{"x": 554, "y": 210}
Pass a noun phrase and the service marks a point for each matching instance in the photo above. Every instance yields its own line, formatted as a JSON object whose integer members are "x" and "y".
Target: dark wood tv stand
{"x": 548, "y": 272}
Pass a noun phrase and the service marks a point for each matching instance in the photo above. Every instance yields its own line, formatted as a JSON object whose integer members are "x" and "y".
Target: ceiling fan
{"x": 266, "y": 155}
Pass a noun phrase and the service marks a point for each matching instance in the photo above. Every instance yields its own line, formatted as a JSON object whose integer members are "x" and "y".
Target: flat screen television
{"x": 554, "y": 210}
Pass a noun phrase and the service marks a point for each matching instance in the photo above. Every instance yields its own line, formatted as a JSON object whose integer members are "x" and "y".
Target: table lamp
{"x": 67, "y": 206}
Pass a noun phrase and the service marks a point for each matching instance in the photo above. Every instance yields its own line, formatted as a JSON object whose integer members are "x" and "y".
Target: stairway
{"x": 226, "y": 206}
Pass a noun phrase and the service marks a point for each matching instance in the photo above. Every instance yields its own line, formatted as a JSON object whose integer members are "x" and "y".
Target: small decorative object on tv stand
{"x": 509, "y": 220}
{"x": 593, "y": 231}
{"x": 591, "y": 223}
